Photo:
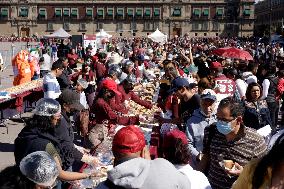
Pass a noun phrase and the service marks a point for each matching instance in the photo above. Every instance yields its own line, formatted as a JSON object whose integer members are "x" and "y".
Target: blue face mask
{"x": 224, "y": 127}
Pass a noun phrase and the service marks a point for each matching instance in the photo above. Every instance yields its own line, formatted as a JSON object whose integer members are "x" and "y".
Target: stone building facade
{"x": 269, "y": 13}
{"x": 200, "y": 18}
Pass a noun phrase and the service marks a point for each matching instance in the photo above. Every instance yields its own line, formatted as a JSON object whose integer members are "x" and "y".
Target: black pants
{"x": 274, "y": 109}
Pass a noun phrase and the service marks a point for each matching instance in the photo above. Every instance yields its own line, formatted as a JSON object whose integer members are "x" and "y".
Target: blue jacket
{"x": 195, "y": 126}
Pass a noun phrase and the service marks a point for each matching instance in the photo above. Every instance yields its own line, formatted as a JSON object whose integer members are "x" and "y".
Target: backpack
{"x": 272, "y": 90}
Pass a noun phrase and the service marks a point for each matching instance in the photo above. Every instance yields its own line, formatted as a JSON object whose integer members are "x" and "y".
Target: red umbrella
{"x": 232, "y": 52}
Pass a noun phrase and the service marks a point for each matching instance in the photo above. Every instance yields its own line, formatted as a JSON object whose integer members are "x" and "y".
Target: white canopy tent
{"x": 158, "y": 37}
{"x": 103, "y": 34}
{"x": 101, "y": 38}
{"x": 60, "y": 33}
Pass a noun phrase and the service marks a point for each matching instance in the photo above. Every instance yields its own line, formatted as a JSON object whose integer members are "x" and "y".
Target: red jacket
{"x": 132, "y": 96}
{"x": 103, "y": 112}
{"x": 72, "y": 59}
{"x": 100, "y": 71}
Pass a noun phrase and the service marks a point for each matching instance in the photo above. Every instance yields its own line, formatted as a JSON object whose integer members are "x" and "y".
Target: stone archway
{"x": 25, "y": 32}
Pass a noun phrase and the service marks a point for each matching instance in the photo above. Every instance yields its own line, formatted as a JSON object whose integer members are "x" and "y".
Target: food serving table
{"x": 151, "y": 131}
{"x": 20, "y": 99}
{"x": 104, "y": 154}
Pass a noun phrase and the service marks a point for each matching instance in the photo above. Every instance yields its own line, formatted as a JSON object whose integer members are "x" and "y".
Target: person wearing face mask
{"x": 39, "y": 135}
{"x": 127, "y": 94}
{"x": 200, "y": 119}
{"x": 229, "y": 140}
{"x": 105, "y": 115}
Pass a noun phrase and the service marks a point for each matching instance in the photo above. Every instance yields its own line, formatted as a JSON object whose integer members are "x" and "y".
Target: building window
{"x": 58, "y": 13}
{"x": 74, "y": 13}
{"x": 219, "y": 12}
{"x": 110, "y": 12}
{"x": 205, "y": 12}
{"x": 49, "y": 27}
{"x": 120, "y": 13}
{"x": 130, "y": 12}
{"x": 66, "y": 12}
{"x": 133, "y": 26}
{"x": 147, "y": 26}
{"x": 42, "y": 13}
{"x": 157, "y": 12}
{"x": 204, "y": 26}
{"x": 89, "y": 12}
{"x": 147, "y": 13}
{"x": 100, "y": 13}
{"x": 119, "y": 27}
{"x": 195, "y": 26}
{"x": 177, "y": 12}
{"x": 82, "y": 27}
{"x": 139, "y": 12}
{"x": 196, "y": 12}
{"x": 247, "y": 12}
{"x": 66, "y": 26}
{"x": 216, "y": 26}
{"x": 4, "y": 13}
{"x": 23, "y": 12}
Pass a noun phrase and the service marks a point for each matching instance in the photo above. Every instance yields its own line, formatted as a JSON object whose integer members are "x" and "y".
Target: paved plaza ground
{"x": 15, "y": 125}
{"x": 6, "y": 77}
{"x": 7, "y": 140}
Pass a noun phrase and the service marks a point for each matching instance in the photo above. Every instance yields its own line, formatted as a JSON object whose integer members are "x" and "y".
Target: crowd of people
{"x": 219, "y": 115}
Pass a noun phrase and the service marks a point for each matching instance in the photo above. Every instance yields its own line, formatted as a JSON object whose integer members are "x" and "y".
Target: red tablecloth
{"x": 17, "y": 100}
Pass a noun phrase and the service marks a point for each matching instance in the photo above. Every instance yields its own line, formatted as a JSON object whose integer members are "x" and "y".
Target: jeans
{"x": 274, "y": 109}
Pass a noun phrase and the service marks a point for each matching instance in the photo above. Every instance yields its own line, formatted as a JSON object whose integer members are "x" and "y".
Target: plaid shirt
{"x": 246, "y": 146}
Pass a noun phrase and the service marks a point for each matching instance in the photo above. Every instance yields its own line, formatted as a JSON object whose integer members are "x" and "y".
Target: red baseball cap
{"x": 171, "y": 137}
{"x": 110, "y": 84}
{"x": 128, "y": 140}
{"x": 216, "y": 65}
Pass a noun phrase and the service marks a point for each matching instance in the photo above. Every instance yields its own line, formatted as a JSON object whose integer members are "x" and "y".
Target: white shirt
{"x": 83, "y": 100}
{"x": 197, "y": 179}
{"x": 46, "y": 65}
{"x": 51, "y": 87}
{"x": 265, "y": 87}
{"x": 249, "y": 77}
{"x": 241, "y": 87}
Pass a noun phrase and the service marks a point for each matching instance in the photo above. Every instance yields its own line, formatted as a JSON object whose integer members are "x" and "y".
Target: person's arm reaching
{"x": 190, "y": 139}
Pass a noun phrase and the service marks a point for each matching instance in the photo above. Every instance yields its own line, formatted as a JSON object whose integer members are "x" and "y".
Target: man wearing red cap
{"x": 134, "y": 169}
{"x": 224, "y": 87}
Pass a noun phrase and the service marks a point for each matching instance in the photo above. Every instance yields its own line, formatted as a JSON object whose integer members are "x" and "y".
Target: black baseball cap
{"x": 72, "y": 98}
